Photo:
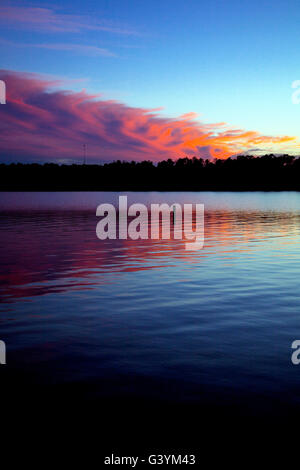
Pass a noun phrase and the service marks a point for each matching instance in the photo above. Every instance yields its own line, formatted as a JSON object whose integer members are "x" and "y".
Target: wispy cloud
{"x": 78, "y": 48}
{"x": 46, "y": 19}
{"x": 49, "y": 124}
{"x": 81, "y": 49}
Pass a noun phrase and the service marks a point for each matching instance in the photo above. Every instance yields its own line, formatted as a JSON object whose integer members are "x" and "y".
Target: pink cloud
{"x": 42, "y": 123}
{"x": 45, "y": 19}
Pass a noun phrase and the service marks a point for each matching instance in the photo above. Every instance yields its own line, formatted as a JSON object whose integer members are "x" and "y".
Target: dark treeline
{"x": 244, "y": 173}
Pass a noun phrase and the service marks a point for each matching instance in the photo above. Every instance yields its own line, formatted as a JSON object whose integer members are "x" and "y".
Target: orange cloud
{"x": 42, "y": 123}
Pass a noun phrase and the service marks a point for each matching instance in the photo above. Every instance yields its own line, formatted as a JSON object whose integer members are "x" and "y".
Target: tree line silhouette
{"x": 242, "y": 173}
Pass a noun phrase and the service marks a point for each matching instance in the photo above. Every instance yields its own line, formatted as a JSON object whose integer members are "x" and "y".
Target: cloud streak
{"x": 40, "y": 123}
{"x": 93, "y": 51}
{"x": 45, "y": 19}
{"x": 81, "y": 49}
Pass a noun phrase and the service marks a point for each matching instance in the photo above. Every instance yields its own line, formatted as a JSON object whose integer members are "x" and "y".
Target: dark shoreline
{"x": 244, "y": 173}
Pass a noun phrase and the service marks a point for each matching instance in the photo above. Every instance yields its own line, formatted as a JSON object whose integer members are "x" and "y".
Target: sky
{"x": 148, "y": 80}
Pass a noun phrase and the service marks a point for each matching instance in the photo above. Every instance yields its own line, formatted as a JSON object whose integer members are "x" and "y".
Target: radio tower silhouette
{"x": 84, "y": 154}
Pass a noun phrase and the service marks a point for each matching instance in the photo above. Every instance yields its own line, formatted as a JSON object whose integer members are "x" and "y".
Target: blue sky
{"x": 229, "y": 61}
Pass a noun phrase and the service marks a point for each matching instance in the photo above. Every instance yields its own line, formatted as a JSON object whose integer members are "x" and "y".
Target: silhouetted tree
{"x": 244, "y": 172}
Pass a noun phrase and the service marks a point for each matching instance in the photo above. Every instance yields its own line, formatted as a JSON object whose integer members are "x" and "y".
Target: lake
{"x": 146, "y": 322}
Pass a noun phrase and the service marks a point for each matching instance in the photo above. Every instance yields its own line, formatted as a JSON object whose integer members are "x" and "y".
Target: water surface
{"x": 147, "y": 319}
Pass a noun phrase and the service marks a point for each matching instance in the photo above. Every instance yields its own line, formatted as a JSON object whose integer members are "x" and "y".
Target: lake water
{"x": 146, "y": 321}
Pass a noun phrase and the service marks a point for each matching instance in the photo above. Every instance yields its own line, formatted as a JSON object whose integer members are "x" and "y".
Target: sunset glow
{"x": 41, "y": 123}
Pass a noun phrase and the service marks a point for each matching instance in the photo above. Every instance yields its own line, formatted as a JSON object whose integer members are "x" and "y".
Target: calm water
{"x": 148, "y": 319}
